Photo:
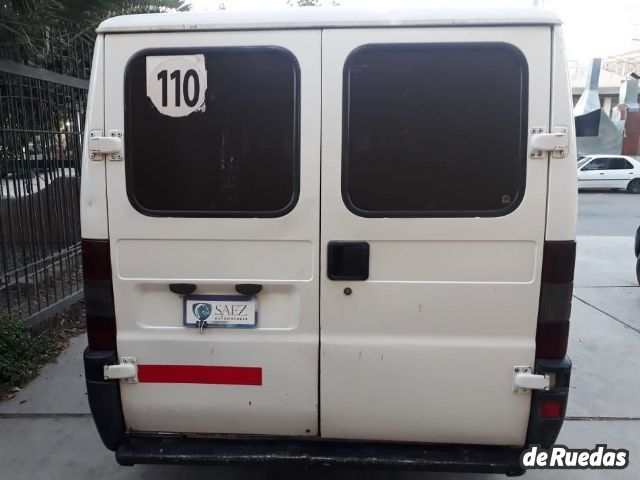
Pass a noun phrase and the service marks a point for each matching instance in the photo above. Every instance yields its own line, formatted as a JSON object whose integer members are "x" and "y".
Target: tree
{"x": 56, "y": 35}
{"x": 303, "y": 3}
{"x": 311, "y": 3}
{"x": 26, "y": 24}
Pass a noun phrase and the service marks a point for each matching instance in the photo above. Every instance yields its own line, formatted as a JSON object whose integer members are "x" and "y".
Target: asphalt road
{"x": 47, "y": 433}
{"x": 610, "y": 213}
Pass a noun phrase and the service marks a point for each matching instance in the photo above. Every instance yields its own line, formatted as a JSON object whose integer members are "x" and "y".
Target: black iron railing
{"x": 42, "y": 108}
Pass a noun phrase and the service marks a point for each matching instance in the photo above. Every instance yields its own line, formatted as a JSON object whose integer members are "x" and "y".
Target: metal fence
{"x": 43, "y": 97}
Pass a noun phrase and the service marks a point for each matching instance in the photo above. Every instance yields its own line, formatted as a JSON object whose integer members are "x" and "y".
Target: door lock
{"x": 126, "y": 370}
{"x": 202, "y": 324}
{"x": 110, "y": 146}
{"x": 524, "y": 380}
{"x": 556, "y": 142}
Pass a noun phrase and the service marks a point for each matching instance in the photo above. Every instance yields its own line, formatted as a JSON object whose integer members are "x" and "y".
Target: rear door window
{"x": 434, "y": 130}
{"x": 620, "y": 164}
{"x": 235, "y": 155}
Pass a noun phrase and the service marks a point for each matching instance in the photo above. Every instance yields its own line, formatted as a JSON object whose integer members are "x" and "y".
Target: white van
{"x": 329, "y": 236}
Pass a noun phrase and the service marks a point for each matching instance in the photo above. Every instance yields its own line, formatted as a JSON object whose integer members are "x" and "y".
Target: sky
{"x": 593, "y": 28}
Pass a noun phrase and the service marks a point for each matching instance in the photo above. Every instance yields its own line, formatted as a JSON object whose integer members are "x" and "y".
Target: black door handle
{"x": 248, "y": 289}
{"x": 182, "y": 288}
{"x": 348, "y": 260}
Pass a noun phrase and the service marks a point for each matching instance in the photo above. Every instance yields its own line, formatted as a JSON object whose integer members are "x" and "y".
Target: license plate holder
{"x": 220, "y": 311}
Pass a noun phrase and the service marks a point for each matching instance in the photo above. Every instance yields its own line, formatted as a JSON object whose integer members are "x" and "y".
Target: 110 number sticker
{"x": 177, "y": 84}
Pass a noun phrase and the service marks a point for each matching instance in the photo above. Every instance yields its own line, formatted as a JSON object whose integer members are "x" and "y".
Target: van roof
{"x": 325, "y": 17}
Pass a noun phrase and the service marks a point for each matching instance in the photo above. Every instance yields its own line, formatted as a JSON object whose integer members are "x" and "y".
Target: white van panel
{"x": 281, "y": 254}
{"x": 93, "y": 187}
{"x": 223, "y": 408}
{"x": 438, "y": 261}
{"x": 425, "y": 351}
{"x": 329, "y": 17}
{"x": 562, "y": 211}
{"x": 157, "y": 259}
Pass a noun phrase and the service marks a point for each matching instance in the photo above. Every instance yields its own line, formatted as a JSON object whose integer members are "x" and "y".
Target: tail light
{"x": 548, "y": 407}
{"x": 558, "y": 265}
{"x": 98, "y": 294}
{"x": 551, "y": 408}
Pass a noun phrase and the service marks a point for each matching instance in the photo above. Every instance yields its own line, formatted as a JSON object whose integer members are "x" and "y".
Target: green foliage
{"x": 21, "y": 354}
{"x": 312, "y": 3}
{"x": 20, "y": 18}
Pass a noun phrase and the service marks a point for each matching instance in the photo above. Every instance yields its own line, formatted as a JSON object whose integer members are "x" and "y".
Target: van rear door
{"x": 216, "y": 189}
{"x": 432, "y": 230}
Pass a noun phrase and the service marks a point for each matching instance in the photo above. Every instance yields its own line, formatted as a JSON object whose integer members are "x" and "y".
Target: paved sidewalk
{"x": 46, "y": 432}
{"x": 59, "y": 389}
{"x": 69, "y": 449}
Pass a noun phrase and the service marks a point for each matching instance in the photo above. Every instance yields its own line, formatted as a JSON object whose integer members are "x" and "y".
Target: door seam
{"x": 320, "y": 233}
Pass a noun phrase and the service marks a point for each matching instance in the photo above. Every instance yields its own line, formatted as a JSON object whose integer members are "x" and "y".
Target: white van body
{"x": 432, "y": 307}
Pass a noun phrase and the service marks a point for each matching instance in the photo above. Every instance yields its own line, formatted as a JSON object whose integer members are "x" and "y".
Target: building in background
{"x": 606, "y": 104}
{"x": 608, "y": 85}
{"x": 596, "y": 132}
{"x": 627, "y": 63}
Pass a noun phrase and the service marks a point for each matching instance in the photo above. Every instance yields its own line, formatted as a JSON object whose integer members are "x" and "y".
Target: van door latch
{"x": 111, "y": 145}
{"x": 127, "y": 370}
{"x": 556, "y": 142}
{"x": 524, "y": 380}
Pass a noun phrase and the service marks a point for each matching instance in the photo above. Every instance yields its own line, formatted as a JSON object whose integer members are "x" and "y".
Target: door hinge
{"x": 126, "y": 370}
{"x": 109, "y": 146}
{"x": 524, "y": 380}
{"x": 556, "y": 142}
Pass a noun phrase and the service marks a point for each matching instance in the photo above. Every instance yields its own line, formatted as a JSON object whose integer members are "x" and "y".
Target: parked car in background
{"x": 41, "y": 156}
{"x": 617, "y": 172}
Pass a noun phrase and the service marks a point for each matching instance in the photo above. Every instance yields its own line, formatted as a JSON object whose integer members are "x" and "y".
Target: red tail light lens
{"x": 550, "y": 409}
{"x": 558, "y": 265}
{"x": 98, "y": 294}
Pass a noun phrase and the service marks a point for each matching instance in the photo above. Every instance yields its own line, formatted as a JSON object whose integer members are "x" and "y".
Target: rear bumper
{"x": 174, "y": 449}
{"x": 104, "y": 397}
{"x": 131, "y": 448}
{"x": 544, "y": 431}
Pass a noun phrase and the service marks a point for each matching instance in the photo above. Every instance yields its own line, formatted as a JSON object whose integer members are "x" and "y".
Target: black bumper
{"x": 104, "y": 397}
{"x": 544, "y": 431}
{"x": 175, "y": 449}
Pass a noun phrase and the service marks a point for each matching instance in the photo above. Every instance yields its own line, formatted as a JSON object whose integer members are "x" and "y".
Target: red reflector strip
{"x": 200, "y": 374}
{"x": 550, "y": 409}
